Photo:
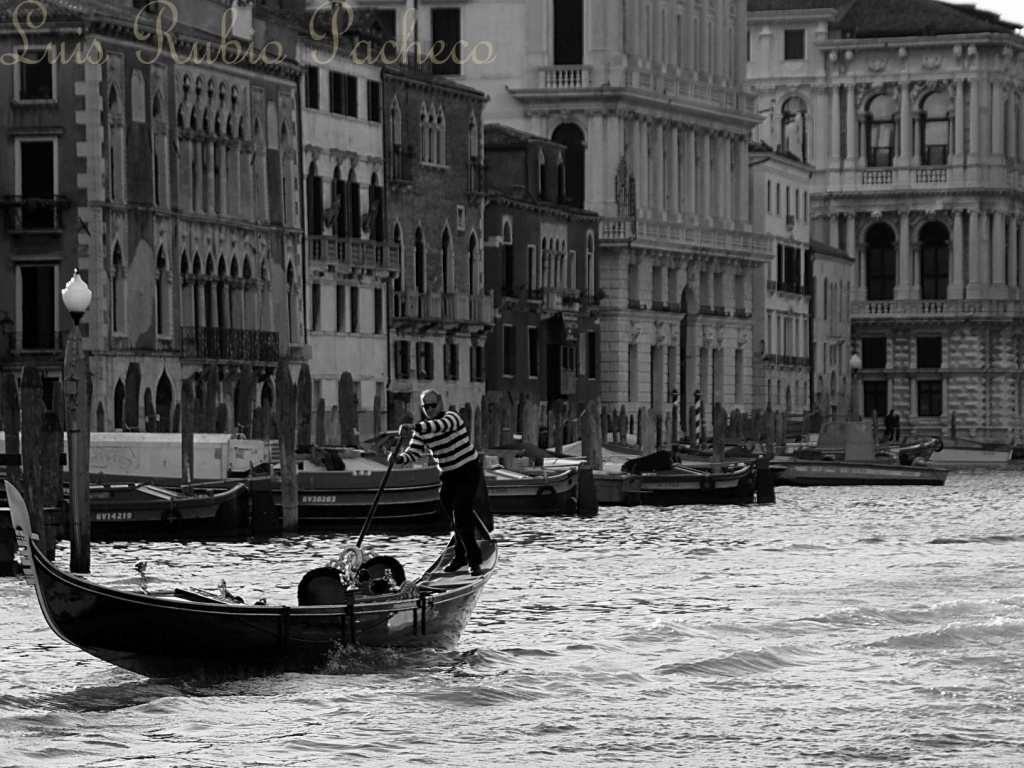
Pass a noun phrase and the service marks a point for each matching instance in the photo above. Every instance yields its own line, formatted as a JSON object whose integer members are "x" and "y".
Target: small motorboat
{"x": 131, "y": 511}
{"x": 533, "y": 490}
{"x": 663, "y": 479}
{"x": 193, "y": 632}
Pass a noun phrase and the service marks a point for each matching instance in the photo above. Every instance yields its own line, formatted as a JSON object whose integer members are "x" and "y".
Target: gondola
{"x": 190, "y": 633}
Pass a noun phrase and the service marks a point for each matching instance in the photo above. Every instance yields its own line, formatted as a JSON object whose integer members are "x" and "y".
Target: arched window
{"x": 571, "y": 137}
{"x": 338, "y": 218}
{"x": 447, "y": 262}
{"x": 440, "y": 138}
{"x": 396, "y": 140}
{"x": 119, "y": 405}
{"x": 117, "y": 291}
{"x": 159, "y": 295}
{"x": 881, "y": 262}
{"x": 376, "y": 209}
{"x": 421, "y": 262}
{"x": 476, "y": 272}
{"x": 881, "y": 131}
{"x": 396, "y": 238}
{"x": 794, "y": 128}
{"x": 426, "y": 139}
{"x": 508, "y": 262}
{"x": 934, "y": 140}
{"x": 354, "y": 211}
{"x": 542, "y": 176}
{"x": 591, "y": 264}
{"x": 314, "y": 201}
{"x": 934, "y": 239}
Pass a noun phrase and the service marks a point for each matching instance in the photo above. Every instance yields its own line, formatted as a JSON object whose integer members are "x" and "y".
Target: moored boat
{"x": 789, "y": 470}
{"x": 193, "y": 632}
{"x": 533, "y": 491}
{"x": 129, "y": 511}
{"x": 957, "y": 452}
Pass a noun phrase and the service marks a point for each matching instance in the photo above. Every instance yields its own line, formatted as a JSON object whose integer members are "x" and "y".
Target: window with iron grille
{"x": 929, "y": 398}
{"x": 424, "y": 360}
{"x": 451, "y": 362}
{"x": 401, "y": 359}
{"x": 509, "y": 349}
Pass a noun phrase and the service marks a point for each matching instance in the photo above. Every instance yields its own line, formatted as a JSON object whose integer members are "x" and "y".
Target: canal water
{"x": 838, "y": 627}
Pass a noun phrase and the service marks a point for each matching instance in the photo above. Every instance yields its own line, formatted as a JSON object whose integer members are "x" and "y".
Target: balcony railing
{"x": 354, "y": 252}
{"x": 230, "y": 344}
{"x": 34, "y": 214}
{"x": 448, "y": 308}
{"x": 994, "y": 309}
{"x": 565, "y": 76}
{"x": 736, "y": 243}
{"x": 876, "y": 178}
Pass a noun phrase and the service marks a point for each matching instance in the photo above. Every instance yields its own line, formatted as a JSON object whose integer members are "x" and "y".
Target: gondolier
{"x": 445, "y": 436}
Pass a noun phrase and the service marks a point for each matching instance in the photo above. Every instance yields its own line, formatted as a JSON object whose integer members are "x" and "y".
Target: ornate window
{"x": 881, "y": 131}
{"x": 934, "y": 139}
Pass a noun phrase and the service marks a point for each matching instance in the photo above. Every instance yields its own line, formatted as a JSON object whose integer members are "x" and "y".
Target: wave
{"x": 957, "y": 634}
{"x": 745, "y": 663}
{"x": 1005, "y": 538}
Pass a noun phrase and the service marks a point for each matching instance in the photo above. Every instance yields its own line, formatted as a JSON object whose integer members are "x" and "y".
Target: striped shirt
{"x": 446, "y": 438}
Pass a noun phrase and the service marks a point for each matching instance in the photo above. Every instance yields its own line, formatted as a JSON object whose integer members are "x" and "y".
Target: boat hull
{"x": 808, "y": 473}
{"x": 546, "y": 493}
{"x": 135, "y": 512}
{"x": 690, "y": 487}
{"x": 952, "y": 455}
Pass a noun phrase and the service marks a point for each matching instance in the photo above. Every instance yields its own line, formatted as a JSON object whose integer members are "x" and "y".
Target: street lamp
{"x": 855, "y": 366}
{"x": 76, "y": 297}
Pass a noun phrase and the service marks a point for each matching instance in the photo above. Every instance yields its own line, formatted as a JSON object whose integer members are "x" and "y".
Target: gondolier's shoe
{"x": 474, "y": 570}
{"x": 455, "y": 565}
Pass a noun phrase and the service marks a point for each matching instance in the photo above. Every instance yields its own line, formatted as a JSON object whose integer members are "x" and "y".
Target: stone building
{"x": 441, "y": 313}
{"x": 350, "y": 259}
{"x": 649, "y": 100}
{"x": 170, "y": 183}
{"x": 545, "y": 348}
{"x": 910, "y": 112}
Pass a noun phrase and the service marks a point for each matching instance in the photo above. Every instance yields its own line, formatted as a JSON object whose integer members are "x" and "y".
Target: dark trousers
{"x": 458, "y": 491}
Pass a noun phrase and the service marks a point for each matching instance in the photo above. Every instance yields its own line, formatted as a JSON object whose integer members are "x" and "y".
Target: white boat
{"x": 968, "y": 452}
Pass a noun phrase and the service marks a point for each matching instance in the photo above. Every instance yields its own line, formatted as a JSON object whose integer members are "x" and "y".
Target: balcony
{"x": 735, "y": 243}
{"x": 352, "y": 252}
{"x": 34, "y": 214}
{"x": 565, "y": 76}
{"x": 443, "y": 309}
{"x": 230, "y": 344}
{"x": 931, "y": 310}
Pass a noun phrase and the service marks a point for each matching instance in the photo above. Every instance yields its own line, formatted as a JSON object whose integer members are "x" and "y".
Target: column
{"x": 999, "y": 254}
{"x": 904, "y": 274}
{"x": 906, "y": 125}
{"x": 974, "y": 143}
{"x": 998, "y": 115}
{"x": 658, "y": 203}
{"x": 691, "y": 171}
{"x": 854, "y": 250}
{"x": 1011, "y": 123}
{"x": 705, "y": 175}
{"x": 973, "y": 289}
{"x": 816, "y": 153}
{"x": 852, "y": 127}
{"x": 915, "y": 269}
{"x": 985, "y": 249}
{"x": 958, "y": 119}
{"x": 956, "y": 273}
{"x": 672, "y": 171}
{"x": 742, "y": 169}
{"x": 642, "y": 167}
{"x": 833, "y": 230}
{"x": 1012, "y": 254}
{"x": 834, "y": 125}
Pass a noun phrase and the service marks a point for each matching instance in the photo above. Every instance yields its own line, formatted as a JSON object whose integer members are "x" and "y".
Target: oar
{"x": 380, "y": 491}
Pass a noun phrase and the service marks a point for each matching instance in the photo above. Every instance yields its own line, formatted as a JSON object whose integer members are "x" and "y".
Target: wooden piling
{"x": 286, "y": 435}
{"x": 304, "y": 409}
{"x": 347, "y": 415}
{"x": 188, "y": 426}
{"x": 31, "y": 446}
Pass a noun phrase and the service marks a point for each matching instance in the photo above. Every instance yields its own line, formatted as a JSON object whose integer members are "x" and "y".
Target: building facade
{"x": 911, "y": 114}
{"x": 440, "y": 311}
{"x": 351, "y": 262}
{"x": 170, "y": 184}
{"x": 651, "y": 106}
{"x": 546, "y": 343}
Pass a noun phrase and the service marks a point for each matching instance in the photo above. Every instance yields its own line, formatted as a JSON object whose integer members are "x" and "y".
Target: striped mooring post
{"x": 698, "y": 418}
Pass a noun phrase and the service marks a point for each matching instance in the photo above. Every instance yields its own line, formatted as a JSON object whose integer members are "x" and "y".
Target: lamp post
{"x": 855, "y": 366}
{"x": 76, "y": 297}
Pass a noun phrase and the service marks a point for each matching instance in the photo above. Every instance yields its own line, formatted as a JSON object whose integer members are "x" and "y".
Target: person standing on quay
{"x": 444, "y": 434}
